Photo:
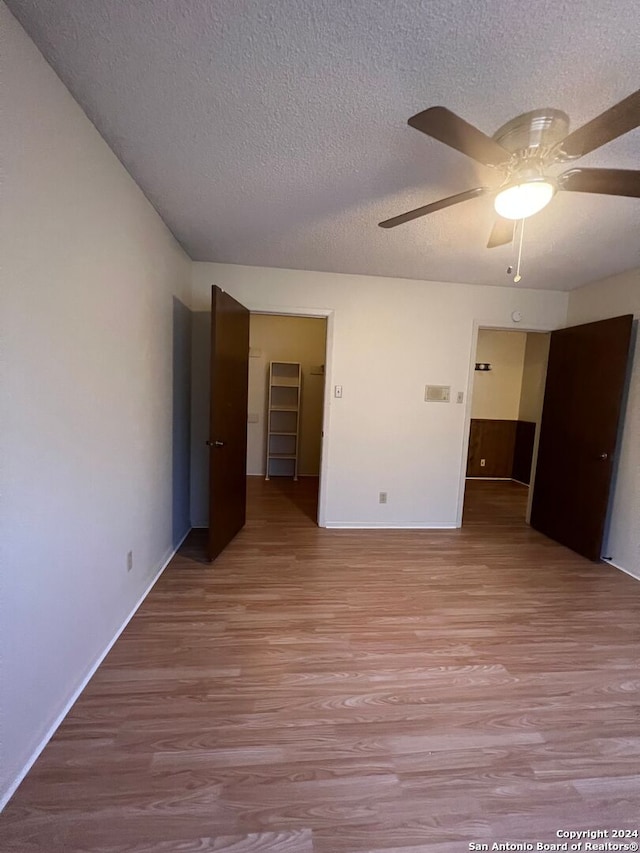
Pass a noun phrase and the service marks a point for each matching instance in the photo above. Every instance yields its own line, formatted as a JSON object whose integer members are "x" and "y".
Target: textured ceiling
{"x": 274, "y": 132}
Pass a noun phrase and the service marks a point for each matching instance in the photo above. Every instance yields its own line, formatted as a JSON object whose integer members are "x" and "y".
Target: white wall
{"x": 597, "y": 301}
{"x": 496, "y": 392}
{"x": 278, "y": 338}
{"x": 534, "y": 374}
{"x": 95, "y": 336}
{"x": 390, "y": 338}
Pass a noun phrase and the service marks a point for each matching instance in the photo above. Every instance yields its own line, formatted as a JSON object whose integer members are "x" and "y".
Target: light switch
{"x": 337, "y": 391}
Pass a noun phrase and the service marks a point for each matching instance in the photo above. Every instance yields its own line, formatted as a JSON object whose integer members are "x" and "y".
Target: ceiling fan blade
{"x": 445, "y": 126}
{"x": 431, "y": 208}
{"x": 612, "y": 123}
{"x": 605, "y": 181}
{"x": 502, "y": 232}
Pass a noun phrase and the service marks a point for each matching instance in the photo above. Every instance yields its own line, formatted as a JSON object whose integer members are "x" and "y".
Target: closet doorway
{"x": 294, "y": 428}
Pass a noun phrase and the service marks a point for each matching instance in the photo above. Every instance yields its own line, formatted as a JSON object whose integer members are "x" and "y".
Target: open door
{"x": 583, "y": 397}
{"x": 227, "y": 420}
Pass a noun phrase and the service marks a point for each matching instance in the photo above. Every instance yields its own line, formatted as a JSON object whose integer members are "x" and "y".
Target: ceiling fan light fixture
{"x": 518, "y": 201}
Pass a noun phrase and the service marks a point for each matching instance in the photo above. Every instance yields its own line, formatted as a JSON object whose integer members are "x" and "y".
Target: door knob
{"x": 215, "y": 443}
{"x": 604, "y": 456}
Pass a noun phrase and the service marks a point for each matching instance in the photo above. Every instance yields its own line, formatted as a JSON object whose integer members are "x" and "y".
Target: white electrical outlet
{"x": 483, "y": 462}
{"x": 382, "y": 498}
{"x": 129, "y": 560}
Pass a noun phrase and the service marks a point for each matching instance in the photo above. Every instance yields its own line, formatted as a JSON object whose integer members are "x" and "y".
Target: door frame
{"x": 328, "y": 315}
{"x": 496, "y": 327}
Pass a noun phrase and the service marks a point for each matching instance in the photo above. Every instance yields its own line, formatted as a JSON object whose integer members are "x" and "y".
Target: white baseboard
{"x": 87, "y": 678}
{"x": 621, "y": 569}
{"x": 385, "y": 525}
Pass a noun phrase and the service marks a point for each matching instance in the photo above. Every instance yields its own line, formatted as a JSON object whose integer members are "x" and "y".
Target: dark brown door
{"x": 227, "y": 420}
{"x": 583, "y": 396}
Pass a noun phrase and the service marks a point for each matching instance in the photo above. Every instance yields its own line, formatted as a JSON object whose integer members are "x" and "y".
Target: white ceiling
{"x": 274, "y": 132}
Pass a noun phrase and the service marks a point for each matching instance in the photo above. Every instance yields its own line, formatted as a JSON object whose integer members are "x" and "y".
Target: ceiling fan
{"x": 524, "y": 151}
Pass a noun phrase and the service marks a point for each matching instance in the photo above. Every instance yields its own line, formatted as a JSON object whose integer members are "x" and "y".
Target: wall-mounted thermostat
{"x": 437, "y": 393}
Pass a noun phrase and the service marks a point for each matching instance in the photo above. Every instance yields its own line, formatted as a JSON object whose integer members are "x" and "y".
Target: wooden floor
{"x": 322, "y": 691}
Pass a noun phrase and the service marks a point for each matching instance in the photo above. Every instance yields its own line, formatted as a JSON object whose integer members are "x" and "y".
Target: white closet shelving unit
{"x": 283, "y": 419}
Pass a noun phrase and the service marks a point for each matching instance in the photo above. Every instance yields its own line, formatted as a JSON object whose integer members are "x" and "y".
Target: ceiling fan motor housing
{"x": 533, "y": 135}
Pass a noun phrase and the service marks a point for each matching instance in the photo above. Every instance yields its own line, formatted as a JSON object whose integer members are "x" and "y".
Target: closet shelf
{"x": 283, "y": 419}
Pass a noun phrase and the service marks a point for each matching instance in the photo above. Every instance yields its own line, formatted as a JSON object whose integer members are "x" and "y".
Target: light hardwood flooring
{"x": 341, "y": 691}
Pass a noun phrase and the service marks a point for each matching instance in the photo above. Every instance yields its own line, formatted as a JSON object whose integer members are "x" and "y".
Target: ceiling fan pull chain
{"x": 517, "y": 276}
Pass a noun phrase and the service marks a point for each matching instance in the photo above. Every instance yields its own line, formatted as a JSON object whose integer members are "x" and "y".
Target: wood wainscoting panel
{"x": 494, "y": 442}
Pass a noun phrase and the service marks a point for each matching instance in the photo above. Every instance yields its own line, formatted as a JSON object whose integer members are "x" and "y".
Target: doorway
{"x": 506, "y": 410}
{"x": 200, "y": 408}
{"x": 285, "y": 427}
